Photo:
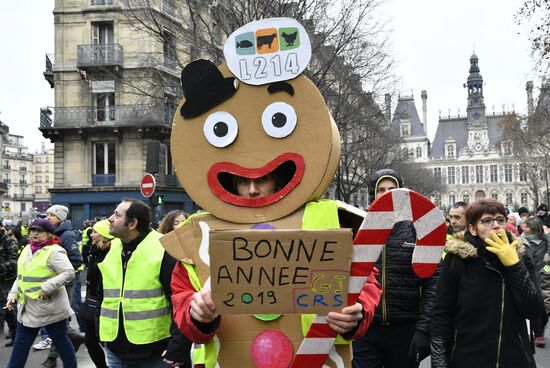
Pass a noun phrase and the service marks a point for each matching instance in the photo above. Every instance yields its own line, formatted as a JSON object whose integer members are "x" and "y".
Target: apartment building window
{"x": 494, "y": 195}
{"x": 479, "y": 173}
{"x": 465, "y": 175}
{"x": 169, "y": 48}
{"x": 103, "y": 36}
{"x": 437, "y": 174}
{"x": 523, "y": 198}
{"x": 418, "y": 152}
{"x": 493, "y": 170}
{"x": 508, "y": 173}
{"x": 38, "y": 189}
{"x": 450, "y": 175}
{"x": 105, "y": 103}
{"x": 38, "y": 169}
{"x": 466, "y": 198}
{"x": 509, "y": 198}
{"x": 507, "y": 148}
{"x": 38, "y": 179}
{"x": 170, "y": 106}
{"x": 47, "y": 178}
{"x": 104, "y": 164}
{"x": 522, "y": 174}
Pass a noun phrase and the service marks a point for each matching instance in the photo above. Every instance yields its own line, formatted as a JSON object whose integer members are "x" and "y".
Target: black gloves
{"x": 420, "y": 346}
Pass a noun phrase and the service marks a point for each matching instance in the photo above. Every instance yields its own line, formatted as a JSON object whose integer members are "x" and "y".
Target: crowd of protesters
{"x": 495, "y": 275}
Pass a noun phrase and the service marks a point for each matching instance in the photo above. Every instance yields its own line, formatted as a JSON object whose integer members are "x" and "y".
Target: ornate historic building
{"x": 469, "y": 154}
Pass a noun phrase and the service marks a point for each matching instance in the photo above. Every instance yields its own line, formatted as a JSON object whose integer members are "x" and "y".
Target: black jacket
{"x": 69, "y": 241}
{"x": 481, "y": 307}
{"x": 405, "y": 297}
{"x": 8, "y": 258}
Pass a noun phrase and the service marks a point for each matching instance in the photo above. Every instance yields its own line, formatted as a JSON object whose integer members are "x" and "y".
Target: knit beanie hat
{"x": 61, "y": 212}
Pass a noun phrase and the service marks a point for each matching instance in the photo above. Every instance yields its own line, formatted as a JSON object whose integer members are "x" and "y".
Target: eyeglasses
{"x": 488, "y": 221}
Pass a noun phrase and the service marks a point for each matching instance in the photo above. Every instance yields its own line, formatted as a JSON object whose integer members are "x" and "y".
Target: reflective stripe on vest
{"x": 31, "y": 276}
{"x": 318, "y": 215}
{"x": 147, "y": 312}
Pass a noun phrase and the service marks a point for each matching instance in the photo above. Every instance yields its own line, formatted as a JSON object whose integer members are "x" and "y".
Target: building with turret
{"x": 470, "y": 153}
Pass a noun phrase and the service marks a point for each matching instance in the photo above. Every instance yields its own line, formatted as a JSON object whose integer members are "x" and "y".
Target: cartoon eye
{"x": 279, "y": 120}
{"x": 220, "y": 129}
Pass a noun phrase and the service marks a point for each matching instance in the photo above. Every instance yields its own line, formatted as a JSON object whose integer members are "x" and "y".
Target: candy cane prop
{"x": 394, "y": 206}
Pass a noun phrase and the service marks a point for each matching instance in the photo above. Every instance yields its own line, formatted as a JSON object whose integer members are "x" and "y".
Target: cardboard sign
{"x": 268, "y": 50}
{"x": 279, "y": 271}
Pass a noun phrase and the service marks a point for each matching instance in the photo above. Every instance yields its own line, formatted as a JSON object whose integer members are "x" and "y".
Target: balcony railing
{"x": 24, "y": 197}
{"x": 103, "y": 179}
{"x": 48, "y": 73}
{"x": 99, "y": 55}
{"x": 102, "y": 2}
{"x": 115, "y": 116}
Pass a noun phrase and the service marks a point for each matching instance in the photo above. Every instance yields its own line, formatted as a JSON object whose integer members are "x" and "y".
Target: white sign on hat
{"x": 268, "y": 50}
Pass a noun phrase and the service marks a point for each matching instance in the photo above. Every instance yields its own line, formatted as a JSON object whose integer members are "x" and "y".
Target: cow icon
{"x": 265, "y": 40}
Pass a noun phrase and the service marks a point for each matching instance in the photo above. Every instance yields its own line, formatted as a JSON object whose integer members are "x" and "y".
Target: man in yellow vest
{"x": 136, "y": 313}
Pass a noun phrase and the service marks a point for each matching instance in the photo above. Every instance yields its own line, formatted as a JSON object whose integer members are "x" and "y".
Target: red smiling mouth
{"x": 288, "y": 166}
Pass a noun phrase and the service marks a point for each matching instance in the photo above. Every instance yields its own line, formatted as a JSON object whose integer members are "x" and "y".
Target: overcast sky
{"x": 433, "y": 41}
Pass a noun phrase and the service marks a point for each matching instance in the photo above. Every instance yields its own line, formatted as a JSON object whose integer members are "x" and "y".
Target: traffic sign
{"x": 148, "y": 185}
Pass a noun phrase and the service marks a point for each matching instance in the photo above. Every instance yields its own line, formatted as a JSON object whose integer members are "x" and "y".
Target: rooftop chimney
{"x": 424, "y": 96}
{"x": 530, "y": 103}
{"x": 387, "y": 99}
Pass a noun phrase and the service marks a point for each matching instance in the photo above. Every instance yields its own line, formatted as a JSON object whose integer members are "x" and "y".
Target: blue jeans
{"x": 24, "y": 339}
{"x": 114, "y": 361}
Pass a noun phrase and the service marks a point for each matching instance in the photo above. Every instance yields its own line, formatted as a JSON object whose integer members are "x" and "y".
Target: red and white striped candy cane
{"x": 394, "y": 206}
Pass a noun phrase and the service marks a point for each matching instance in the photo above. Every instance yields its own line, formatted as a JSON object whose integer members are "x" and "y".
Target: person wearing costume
{"x": 400, "y": 333}
{"x": 258, "y": 155}
{"x": 484, "y": 295}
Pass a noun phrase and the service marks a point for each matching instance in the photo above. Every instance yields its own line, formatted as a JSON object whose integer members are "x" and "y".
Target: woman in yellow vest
{"x": 43, "y": 269}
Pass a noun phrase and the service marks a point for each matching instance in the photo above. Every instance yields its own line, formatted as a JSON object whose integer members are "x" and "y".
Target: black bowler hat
{"x": 204, "y": 87}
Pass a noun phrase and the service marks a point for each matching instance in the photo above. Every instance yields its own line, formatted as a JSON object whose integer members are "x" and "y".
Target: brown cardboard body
{"x": 237, "y": 331}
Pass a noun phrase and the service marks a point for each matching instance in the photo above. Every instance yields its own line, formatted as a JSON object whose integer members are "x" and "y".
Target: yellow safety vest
{"x": 31, "y": 276}
{"x": 85, "y": 238}
{"x": 138, "y": 295}
{"x": 318, "y": 215}
{"x": 25, "y": 231}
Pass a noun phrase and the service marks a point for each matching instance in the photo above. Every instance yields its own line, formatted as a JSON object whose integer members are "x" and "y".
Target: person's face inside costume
{"x": 458, "y": 219}
{"x": 256, "y": 188}
{"x": 384, "y": 186}
{"x": 487, "y": 224}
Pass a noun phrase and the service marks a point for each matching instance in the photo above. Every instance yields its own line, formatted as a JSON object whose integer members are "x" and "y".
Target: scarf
{"x": 36, "y": 246}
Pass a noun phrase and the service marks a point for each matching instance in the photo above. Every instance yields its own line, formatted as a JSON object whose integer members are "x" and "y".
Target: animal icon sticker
{"x": 268, "y": 51}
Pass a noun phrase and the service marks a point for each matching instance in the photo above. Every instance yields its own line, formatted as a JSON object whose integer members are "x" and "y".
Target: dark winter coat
{"x": 405, "y": 298}
{"x": 481, "y": 307}
{"x": 8, "y": 258}
{"x": 69, "y": 241}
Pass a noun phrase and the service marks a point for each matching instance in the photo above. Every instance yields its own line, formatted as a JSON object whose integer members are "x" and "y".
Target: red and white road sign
{"x": 148, "y": 185}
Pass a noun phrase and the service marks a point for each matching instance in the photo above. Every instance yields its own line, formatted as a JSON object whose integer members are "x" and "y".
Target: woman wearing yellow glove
{"x": 484, "y": 296}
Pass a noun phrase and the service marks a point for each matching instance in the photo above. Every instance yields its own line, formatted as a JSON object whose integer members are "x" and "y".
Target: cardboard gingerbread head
{"x": 255, "y": 116}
